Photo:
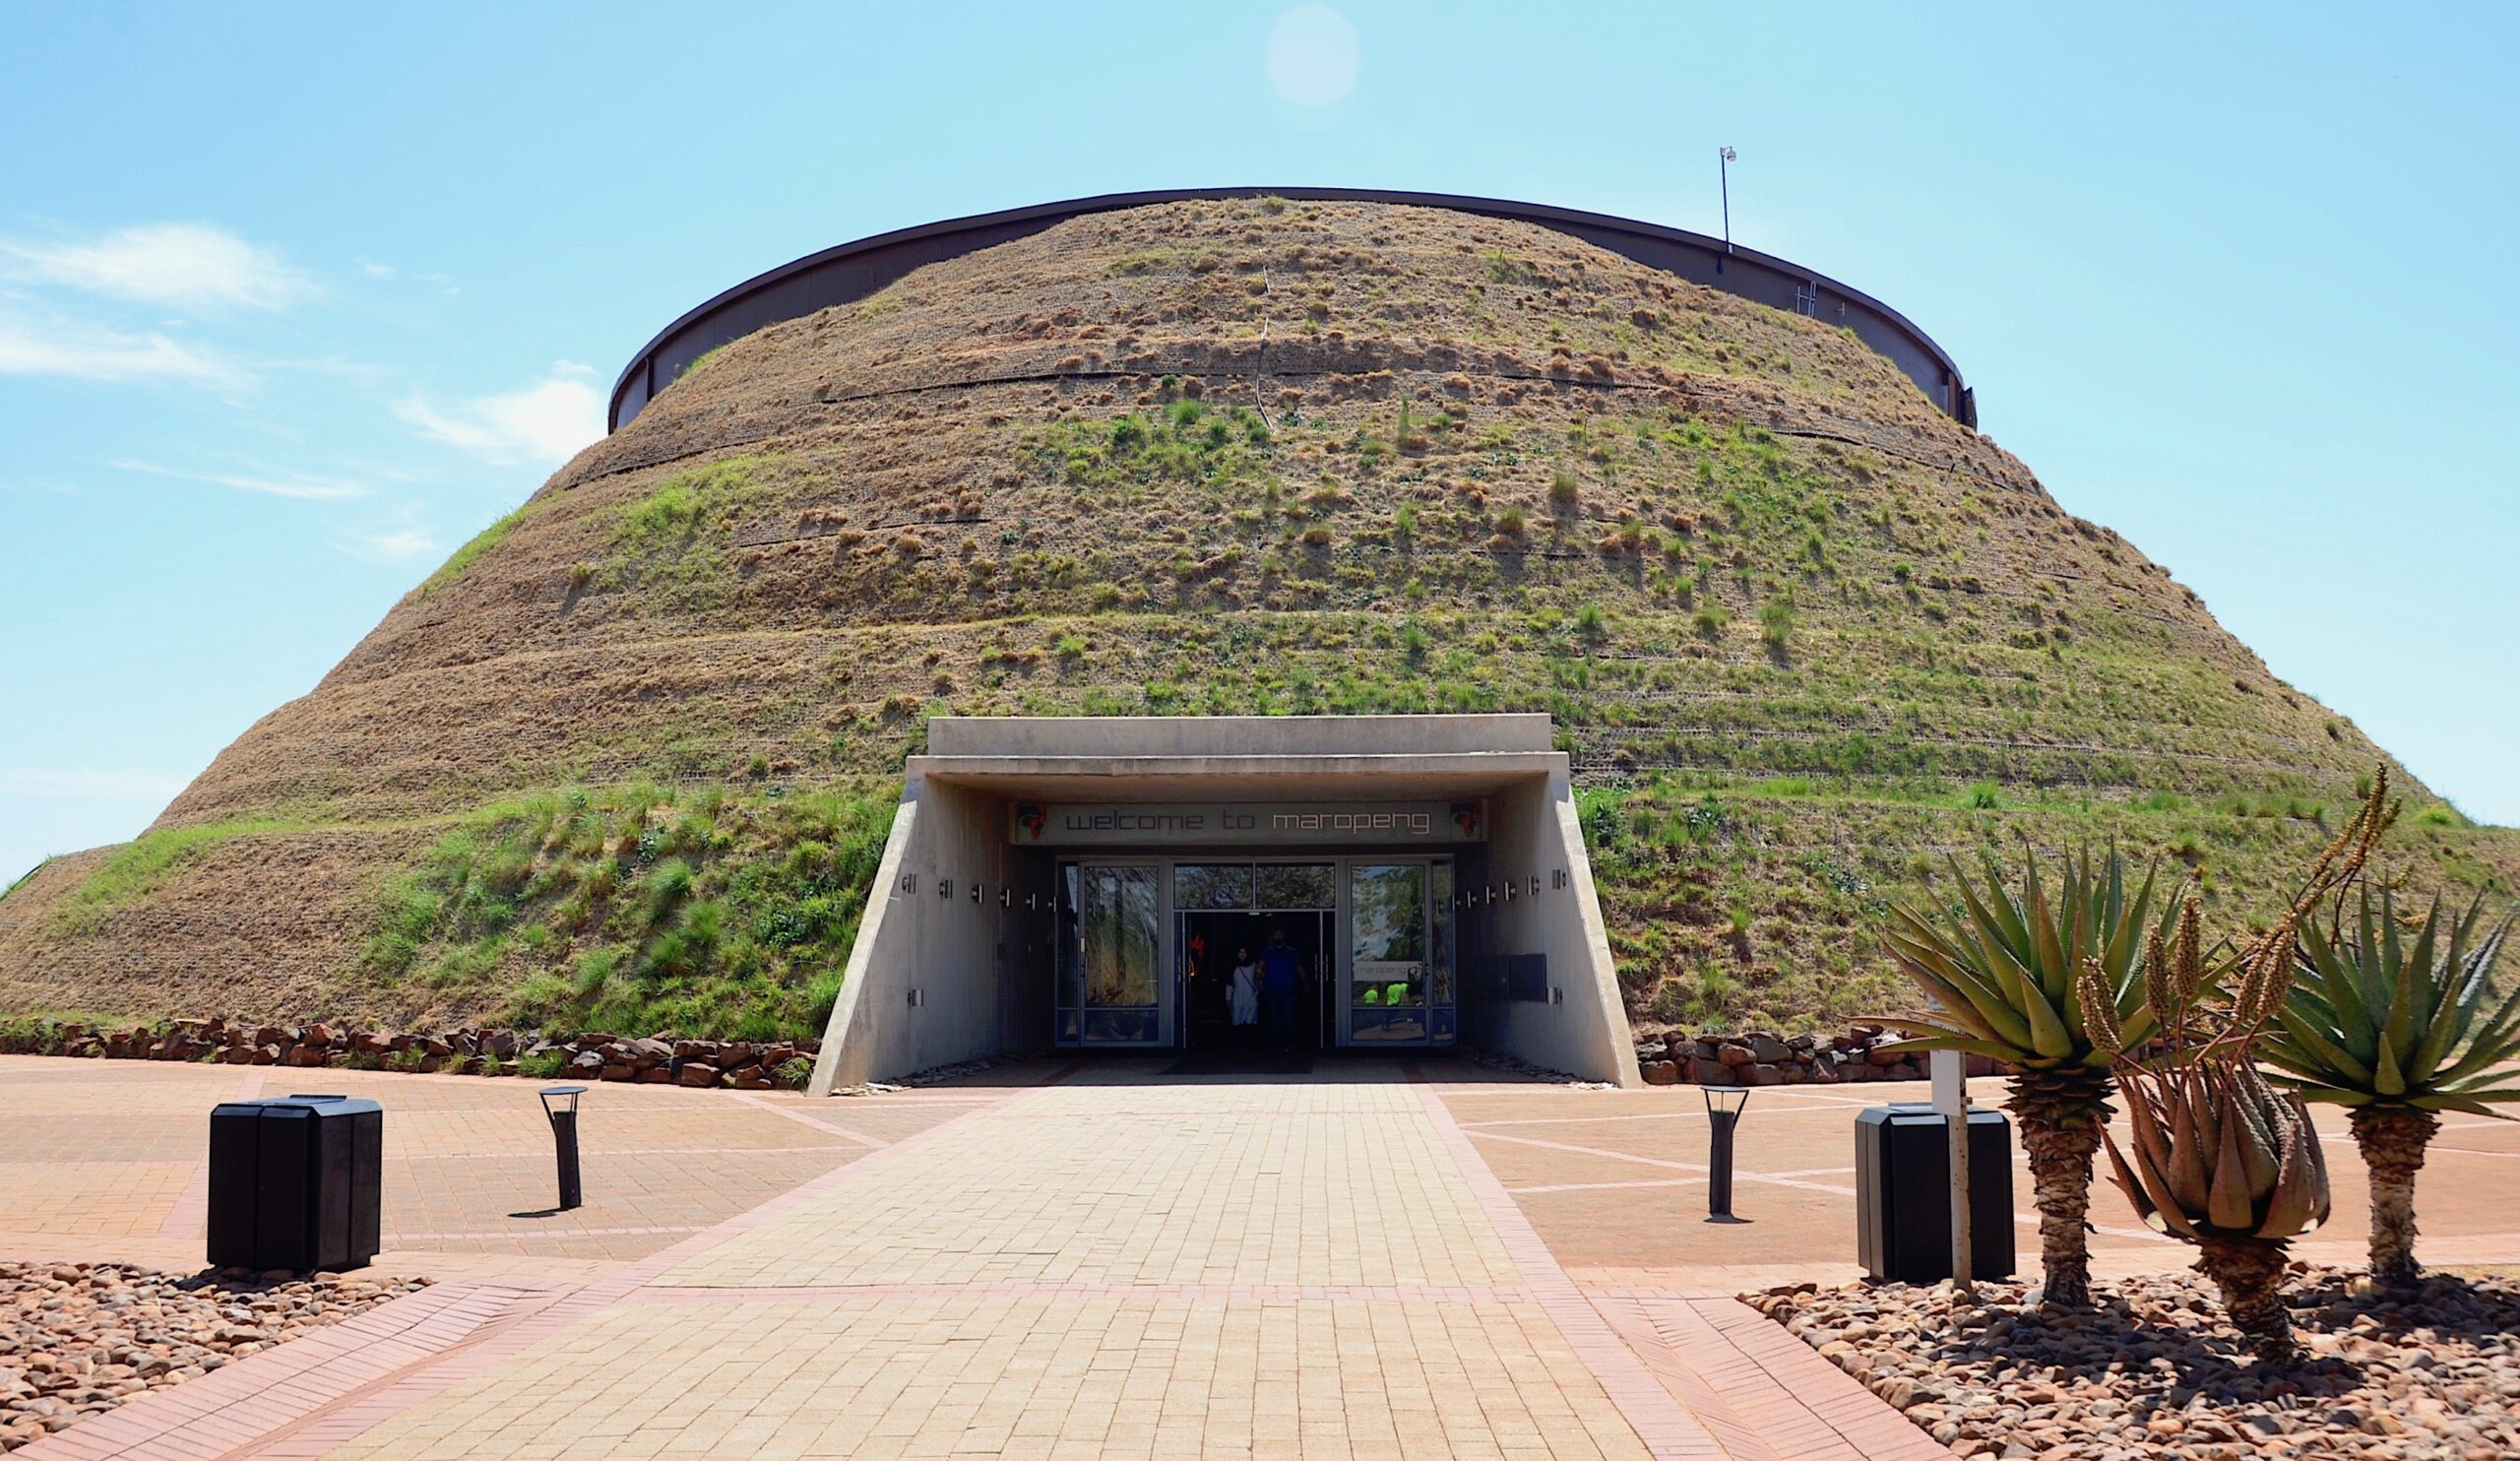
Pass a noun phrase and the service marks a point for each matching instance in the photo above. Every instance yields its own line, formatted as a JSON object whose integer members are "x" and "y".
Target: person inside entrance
{"x": 1242, "y": 999}
{"x": 1214, "y": 945}
{"x": 1282, "y": 973}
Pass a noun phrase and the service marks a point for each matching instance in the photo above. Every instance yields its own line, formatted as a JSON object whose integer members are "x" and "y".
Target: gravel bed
{"x": 80, "y": 1338}
{"x": 2156, "y": 1373}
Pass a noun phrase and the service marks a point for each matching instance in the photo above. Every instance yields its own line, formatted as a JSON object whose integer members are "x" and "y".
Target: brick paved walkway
{"x": 1055, "y": 1260}
{"x": 1107, "y": 1266}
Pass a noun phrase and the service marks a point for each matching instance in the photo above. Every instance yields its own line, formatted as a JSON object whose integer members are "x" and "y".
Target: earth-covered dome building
{"x": 1702, "y": 551}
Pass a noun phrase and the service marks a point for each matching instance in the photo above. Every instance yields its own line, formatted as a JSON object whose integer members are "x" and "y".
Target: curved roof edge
{"x": 848, "y": 272}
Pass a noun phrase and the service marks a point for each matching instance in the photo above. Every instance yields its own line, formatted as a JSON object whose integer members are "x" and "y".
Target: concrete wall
{"x": 854, "y": 271}
{"x": 951, "y": 952}
{"x": 1235, "y": 736}
{"x": 1582, "y": 1029}
{"x": 980, "y": 970}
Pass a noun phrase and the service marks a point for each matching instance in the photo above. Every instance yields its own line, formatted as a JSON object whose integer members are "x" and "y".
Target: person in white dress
{"x": 1243, "y": 997}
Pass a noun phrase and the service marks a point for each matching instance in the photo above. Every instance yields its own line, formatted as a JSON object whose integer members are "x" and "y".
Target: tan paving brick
{"x": 1125, "y": 1185}
{"x": 1112, "y": 1267}
{"x": 945, "y": 1377}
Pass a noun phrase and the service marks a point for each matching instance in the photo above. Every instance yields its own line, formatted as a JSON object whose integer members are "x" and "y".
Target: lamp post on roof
{"x": 1724, "y": 157}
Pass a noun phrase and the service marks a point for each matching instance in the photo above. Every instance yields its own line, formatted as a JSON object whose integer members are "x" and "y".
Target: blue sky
{"x": 294, "y": 298}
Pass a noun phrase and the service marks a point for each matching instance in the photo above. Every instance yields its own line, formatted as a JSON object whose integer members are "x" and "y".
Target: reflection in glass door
{"x": 1110, "y": 984}
{"x": 1394, "y": 947}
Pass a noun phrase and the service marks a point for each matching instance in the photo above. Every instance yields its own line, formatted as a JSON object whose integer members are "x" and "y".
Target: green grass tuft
{"x": 717, "y": 913}
{"x": 26, "y": 878}
{"x": 470, "y": 552}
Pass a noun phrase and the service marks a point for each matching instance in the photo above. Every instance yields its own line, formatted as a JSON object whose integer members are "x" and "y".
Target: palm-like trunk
{"x": 2062, "y": 1114}
{"x": 2250, "y": 1273}
{"x": 2393, "y": 1140}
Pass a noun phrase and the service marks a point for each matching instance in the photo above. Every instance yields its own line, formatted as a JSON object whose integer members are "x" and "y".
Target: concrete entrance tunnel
{"x": 1074, "y": 883}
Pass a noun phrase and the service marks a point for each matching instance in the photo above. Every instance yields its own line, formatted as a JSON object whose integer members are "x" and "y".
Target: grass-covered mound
{"x": 1802, "y": 633}
{"x": 712, "y": 915}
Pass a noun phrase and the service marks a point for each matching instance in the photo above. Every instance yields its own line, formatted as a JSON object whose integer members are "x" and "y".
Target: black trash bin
{"x": 294, "y": 1182}
{"x": 1902, "y": 1193}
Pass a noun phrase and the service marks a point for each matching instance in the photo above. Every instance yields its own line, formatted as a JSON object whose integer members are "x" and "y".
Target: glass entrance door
{"x": 1398, "y": 975}
{"x": 1146, "y": 946}
{"x": 1110, "y": 966}
{"x": 1230, "y": 912}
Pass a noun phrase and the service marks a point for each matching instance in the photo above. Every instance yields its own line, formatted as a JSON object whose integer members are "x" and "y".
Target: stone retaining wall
{"x": 1759, "y": 1058}
{"x": 1729, "y": 1058}
{"x": 659, "y": 1059}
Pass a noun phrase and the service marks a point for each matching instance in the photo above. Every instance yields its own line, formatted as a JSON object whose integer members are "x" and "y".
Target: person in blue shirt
{"x": 1281, "y": 969}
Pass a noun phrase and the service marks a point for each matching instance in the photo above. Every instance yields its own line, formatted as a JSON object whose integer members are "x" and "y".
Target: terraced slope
{"x": 616, "y": 760}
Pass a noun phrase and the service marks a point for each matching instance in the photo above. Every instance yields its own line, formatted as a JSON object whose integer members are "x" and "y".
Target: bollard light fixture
{"x": 560, "y": 1108}
{"x": 1724, "y": 1104}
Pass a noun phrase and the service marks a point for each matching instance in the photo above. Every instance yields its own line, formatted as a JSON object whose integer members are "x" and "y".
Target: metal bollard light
{"x": 1724, "y": 1105}
{"x": 564, "y": 1137}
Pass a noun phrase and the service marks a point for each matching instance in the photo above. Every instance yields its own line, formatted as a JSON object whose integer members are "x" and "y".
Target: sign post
{"x": 1949, "y": 1071}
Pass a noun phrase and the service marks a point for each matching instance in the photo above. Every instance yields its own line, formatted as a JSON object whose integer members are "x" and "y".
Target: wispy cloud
{"x": 190, "y": 266}
{"x": 395, "y": 545}
{"x": 91, "y": 782}
{"x": 49, "y": 487}
{"x": 547, "y": 421}
{"x": 80, "y": 352}
{"x": 274, "y": 484}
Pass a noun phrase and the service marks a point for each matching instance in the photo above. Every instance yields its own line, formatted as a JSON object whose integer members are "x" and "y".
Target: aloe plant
{"x": 2398, "y": 1030}
{"x": 2224, "y": 1160}
{"x": 2220, "y": 1158}
{"x": 2000, "y": 968}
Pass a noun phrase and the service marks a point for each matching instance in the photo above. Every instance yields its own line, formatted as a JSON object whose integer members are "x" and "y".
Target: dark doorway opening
{"x": 1212, "y": 943}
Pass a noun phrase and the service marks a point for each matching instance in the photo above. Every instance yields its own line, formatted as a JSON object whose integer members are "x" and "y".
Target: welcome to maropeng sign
{"x": 1293, "y": 823}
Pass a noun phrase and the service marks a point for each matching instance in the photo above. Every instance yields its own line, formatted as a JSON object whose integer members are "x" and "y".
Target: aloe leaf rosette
{"x": 2221, "y": 1159}
{"x": 2398, "y": 1021}
{"x": 1999, "y": 965}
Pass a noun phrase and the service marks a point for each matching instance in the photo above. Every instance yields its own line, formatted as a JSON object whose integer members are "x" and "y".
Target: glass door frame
{"x": 1326, "y": 918}
{"x": 1438, "y": 967}
{"x": 1333, "y": 985}
{"x": 1166, "y": 1004}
